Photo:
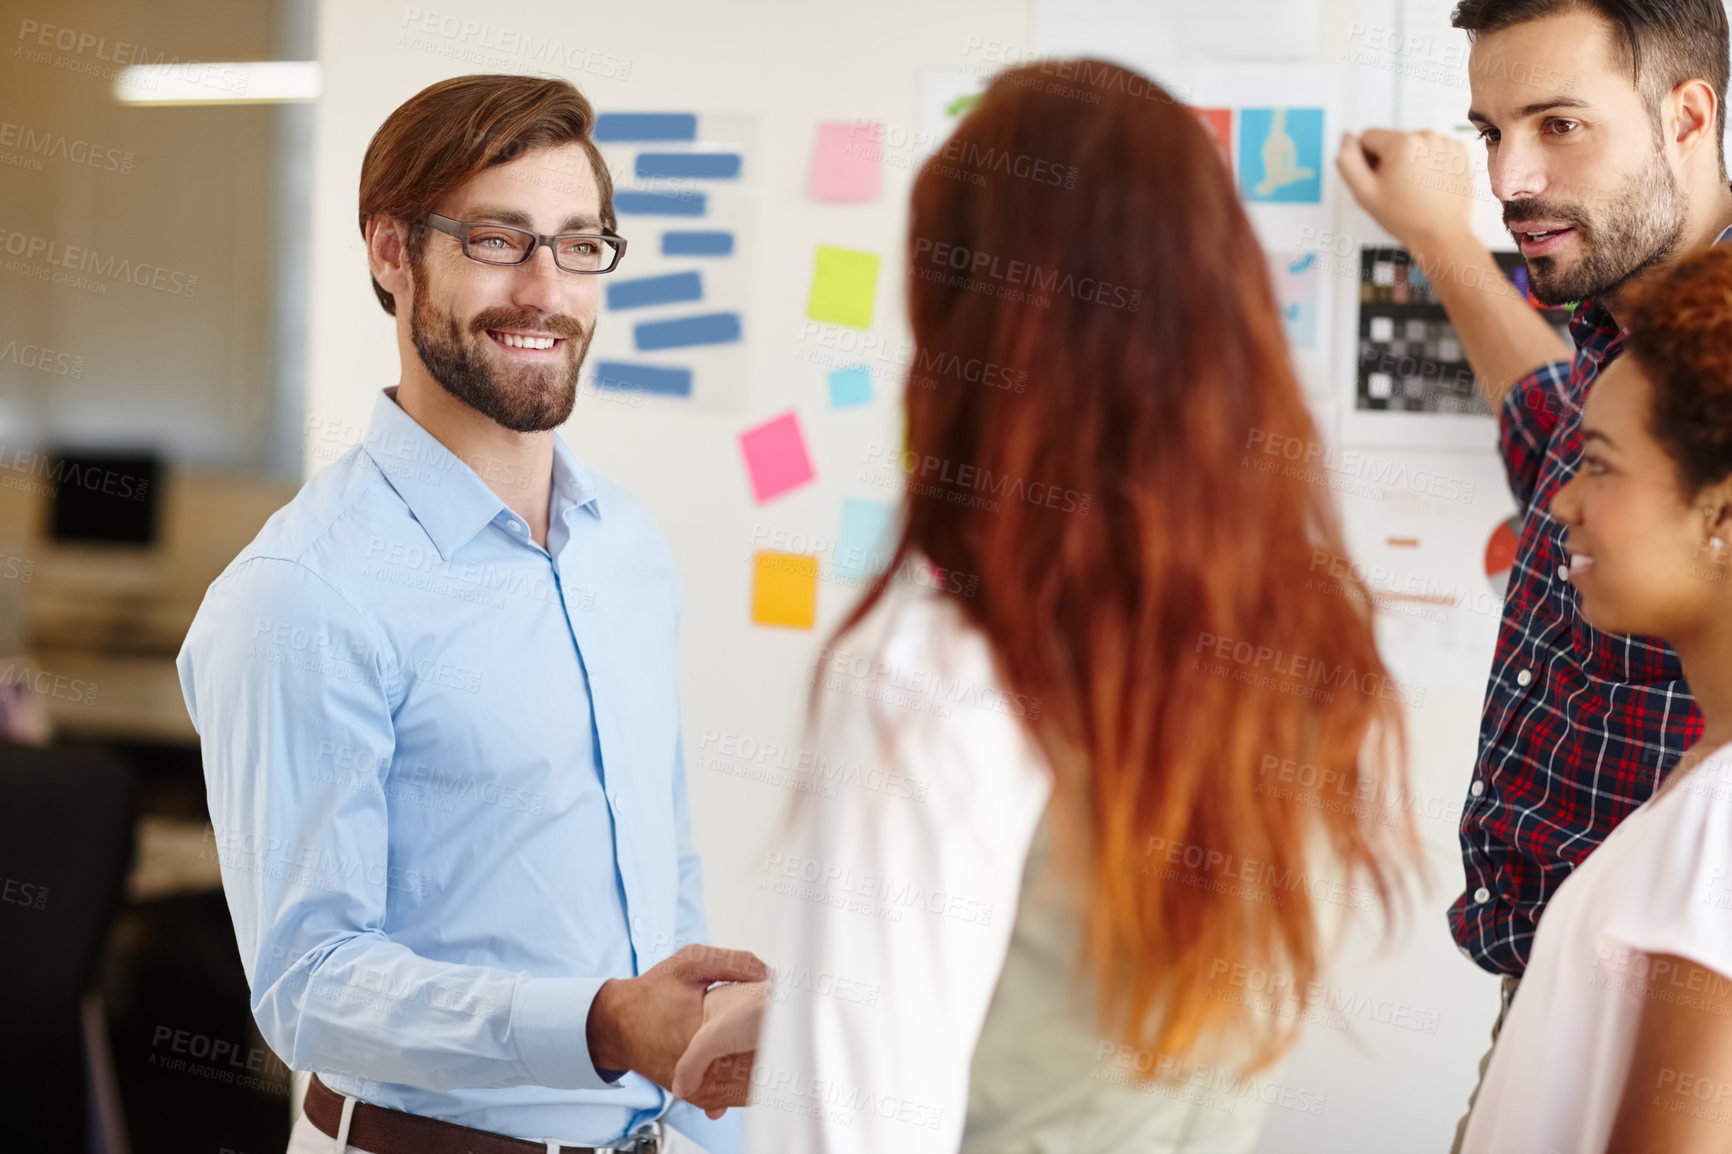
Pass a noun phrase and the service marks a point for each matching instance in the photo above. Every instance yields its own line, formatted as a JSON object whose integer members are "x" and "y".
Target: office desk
{"x": 135, "y": 698}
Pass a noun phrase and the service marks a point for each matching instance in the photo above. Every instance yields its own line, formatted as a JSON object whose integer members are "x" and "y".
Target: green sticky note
{"x": 844, "y": 281}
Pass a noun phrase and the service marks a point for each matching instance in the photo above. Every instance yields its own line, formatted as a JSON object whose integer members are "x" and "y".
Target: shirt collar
{"x": 573, "y": 481}
{"x": 1593, "y": 328}
{"x": 445, "y": 495}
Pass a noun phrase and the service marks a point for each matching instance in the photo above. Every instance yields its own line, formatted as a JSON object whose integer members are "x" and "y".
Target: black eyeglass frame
{"x": 460, "y": 230}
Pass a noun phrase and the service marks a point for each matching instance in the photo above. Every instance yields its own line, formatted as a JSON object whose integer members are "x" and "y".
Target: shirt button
{"x": 638, "y": 925}
{"x": 514, "y": 526}
{"x": 1482, "y": 895}
{"x": 618, "y": 802}
{"x": 1476, "y": 788}
{"x": 1525, "y": 677}
{"x": 1563, "y": 572}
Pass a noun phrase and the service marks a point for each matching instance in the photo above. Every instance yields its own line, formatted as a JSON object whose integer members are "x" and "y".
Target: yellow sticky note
{"x": 844, "y": 281}
{"x": 784, "y": 589}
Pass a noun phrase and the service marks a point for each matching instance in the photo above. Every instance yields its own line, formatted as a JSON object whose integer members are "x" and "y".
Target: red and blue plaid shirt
{"x": 1578, "y": 725}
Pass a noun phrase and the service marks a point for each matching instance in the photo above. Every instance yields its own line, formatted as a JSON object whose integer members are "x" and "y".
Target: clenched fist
{"x": 1417, "y": 185}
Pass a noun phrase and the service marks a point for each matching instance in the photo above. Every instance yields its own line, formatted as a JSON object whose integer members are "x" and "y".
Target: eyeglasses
{"x": 580, "y": 252}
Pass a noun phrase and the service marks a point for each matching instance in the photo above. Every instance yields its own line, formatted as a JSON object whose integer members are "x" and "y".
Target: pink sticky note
{"x": 776, "y": 456}
{"x": 847, "y": 162}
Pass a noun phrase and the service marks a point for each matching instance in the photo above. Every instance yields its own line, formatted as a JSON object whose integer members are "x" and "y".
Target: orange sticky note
{"x": 784, "y": 589}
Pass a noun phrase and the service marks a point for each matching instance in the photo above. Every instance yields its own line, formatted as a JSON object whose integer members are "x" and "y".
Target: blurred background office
{"x": 187, "y": 332}
{"x": 152, "y": 379}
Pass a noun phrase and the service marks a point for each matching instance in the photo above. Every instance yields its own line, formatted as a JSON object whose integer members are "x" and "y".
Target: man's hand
{"x": 717, "y": 1066}
{"x": 645, "y": 1023}
{"x": 1417, "y": 185}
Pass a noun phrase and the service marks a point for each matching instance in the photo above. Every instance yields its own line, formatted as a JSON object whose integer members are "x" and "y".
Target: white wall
{"x": 791, "y": 65}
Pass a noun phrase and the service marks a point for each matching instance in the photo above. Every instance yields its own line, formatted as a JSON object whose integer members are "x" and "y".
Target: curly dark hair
{"x": 1680, "y": 322}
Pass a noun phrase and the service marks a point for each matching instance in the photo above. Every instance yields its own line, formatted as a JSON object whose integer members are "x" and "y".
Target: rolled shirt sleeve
{"x": 1529, "y": 416}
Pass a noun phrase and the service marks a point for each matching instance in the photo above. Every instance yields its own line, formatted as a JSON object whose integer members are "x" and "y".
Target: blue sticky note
{"x": 638, "y": 203}
{"x": 615, "y": 127}
{"x": 1281, "y": 155}
{"x": 864, "y": 541}
{"x": 689, "y": 165}
{"x": 662, "y": 380}
{"x": 683, "y": 332}
{"x": 654, "y": 290}
{"x": 696, "y": 242}
{"x": 850, "y": 386}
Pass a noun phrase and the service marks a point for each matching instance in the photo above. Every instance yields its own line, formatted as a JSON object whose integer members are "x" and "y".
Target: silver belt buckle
{"x": 646, "y": 1139}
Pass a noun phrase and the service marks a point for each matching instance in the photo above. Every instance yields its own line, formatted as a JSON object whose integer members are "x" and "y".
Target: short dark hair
{"x": 1662, "y": 43}
{"x": 1680, "y": 322}
{"x": 452, "y": 130}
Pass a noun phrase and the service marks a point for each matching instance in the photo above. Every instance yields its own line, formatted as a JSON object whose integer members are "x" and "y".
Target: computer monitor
{"x": 104, "y": 498}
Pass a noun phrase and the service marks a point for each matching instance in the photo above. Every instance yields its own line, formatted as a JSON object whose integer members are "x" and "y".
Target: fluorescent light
{"x": 210, "y": 82}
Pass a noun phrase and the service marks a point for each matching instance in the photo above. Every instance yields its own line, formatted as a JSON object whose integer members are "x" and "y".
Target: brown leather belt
{"x": 383, "y": 1131}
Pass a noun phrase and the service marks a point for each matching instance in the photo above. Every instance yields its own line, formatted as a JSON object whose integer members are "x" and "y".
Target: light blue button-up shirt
{"x": 447, "y": 785}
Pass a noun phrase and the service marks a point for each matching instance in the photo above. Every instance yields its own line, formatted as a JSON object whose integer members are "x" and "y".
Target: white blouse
{"x": 900, "y": 902}
{"x": 903, "y": 906}
{"x": 1661, "y": 883}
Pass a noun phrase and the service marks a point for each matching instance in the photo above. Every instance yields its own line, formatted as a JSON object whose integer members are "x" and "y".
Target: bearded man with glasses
{"x": 437, "y": 703}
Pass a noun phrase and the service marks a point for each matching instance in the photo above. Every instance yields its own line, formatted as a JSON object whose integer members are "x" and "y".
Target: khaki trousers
{"x": 1506, "y": 994}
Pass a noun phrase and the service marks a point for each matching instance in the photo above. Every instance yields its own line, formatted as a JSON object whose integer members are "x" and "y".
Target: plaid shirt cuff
{"x": 1493, "y": 935}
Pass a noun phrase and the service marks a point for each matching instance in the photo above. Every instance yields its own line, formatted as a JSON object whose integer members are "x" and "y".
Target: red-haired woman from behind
{"x": 1096, "y": 747}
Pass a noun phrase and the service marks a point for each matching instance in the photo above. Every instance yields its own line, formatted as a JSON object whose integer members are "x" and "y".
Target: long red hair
{"x": 1096, "y": 337}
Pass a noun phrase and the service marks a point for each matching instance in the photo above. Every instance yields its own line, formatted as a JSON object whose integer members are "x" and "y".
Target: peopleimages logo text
{"x": 986, "y": 266}
{"x": 928, "y": 469}
{"x": 59, "y": 146}
{"x": 88, "y": 260}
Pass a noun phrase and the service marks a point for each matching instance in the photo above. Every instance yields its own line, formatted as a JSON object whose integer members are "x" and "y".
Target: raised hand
{"x": 1417, "y": 185}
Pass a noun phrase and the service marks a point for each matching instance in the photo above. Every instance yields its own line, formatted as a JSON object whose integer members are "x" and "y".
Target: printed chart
{"x": 1410, "y": 357}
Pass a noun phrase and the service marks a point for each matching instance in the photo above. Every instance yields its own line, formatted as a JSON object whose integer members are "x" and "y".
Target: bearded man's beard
{"x": 471, "y": 367}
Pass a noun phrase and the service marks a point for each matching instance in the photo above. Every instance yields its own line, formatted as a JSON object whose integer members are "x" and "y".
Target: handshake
{"x": 678, "y": 1027}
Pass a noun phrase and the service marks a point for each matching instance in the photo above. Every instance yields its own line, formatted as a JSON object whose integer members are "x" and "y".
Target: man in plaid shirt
{"x": 1603, "y": 124}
